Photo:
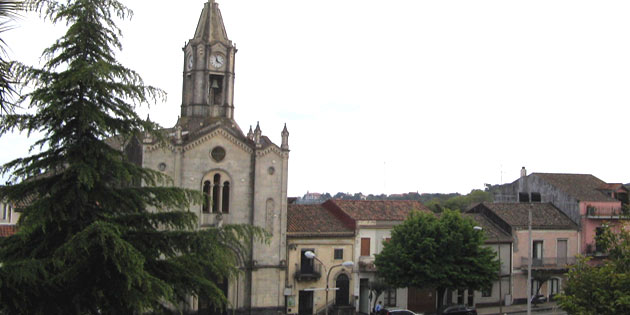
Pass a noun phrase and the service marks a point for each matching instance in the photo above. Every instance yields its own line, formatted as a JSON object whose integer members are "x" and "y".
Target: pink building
{"x": 588, "y": 201}
{"x": 555, "y": 244}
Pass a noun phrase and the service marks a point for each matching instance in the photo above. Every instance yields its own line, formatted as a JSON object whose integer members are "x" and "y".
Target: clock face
{"x": 189, "y": 64}
{"x": 217, "y": 60}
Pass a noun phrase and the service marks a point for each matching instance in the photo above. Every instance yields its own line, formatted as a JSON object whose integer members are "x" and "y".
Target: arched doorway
{"x": 342, "y": 295}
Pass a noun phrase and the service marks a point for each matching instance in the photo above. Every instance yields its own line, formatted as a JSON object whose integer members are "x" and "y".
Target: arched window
{"x": 225, "y": 198}
{"x": 216, "y": 188}
{"x": 206, "y": 197}
{"x": 343, "y": 294}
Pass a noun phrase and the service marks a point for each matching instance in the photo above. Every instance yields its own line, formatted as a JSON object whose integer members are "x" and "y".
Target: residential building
{"x": 373, "y": 221}
{"x": 500, "y": 241}
{"x": 555, "y": 243}
{"x": 588, "y": 201}
{"x": 313, "y": 228}
{"x": 8, "y": 219}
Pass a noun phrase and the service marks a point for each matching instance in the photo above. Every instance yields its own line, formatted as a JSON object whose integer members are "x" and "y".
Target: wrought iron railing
{"x": 548, "y": 262}
{"x": 308, "y": 272}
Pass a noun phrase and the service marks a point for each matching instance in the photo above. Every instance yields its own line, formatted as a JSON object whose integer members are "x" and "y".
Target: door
{"x": 421, "y": 300}
{"x": 342, "y": 295}
{"x": 364, "y": 297}
{"x": 562, "y": 252}
{"x": 305, "y": 303}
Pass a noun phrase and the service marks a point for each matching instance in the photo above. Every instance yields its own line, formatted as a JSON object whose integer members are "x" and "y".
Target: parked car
{"x": 458, "y": 309}
{"x": 397, "y": 311}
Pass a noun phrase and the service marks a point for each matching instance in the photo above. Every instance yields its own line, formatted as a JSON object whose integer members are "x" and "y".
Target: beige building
{"x": 373, "y": 221}
{"x": 313, "y": 228}
{"x": 243, "y": 176}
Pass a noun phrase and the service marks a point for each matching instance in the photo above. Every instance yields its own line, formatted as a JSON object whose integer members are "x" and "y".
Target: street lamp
{"x": 348, "y": 264}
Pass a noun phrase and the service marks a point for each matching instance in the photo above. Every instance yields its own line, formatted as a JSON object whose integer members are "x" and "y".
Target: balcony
{"x": 606, "y": 213}
{"x": 549, "y": 263}
{"x": 308, "y": 272}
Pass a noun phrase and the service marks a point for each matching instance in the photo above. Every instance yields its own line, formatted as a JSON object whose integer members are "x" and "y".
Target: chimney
{"x": 523, "y": 172}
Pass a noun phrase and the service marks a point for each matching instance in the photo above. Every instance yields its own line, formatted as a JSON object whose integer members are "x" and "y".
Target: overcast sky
{"x": 398, "y": 96}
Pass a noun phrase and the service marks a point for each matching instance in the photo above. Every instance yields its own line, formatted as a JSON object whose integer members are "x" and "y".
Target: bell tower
{"x": 208, "y": 90}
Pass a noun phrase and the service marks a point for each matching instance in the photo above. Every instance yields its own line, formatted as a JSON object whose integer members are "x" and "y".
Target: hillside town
{"x": 320, "y": 254}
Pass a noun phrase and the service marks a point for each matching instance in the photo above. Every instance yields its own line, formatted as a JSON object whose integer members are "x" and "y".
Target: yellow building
{"x": 311, "y": 228}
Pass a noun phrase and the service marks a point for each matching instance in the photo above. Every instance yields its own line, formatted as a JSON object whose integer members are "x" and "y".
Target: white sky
{"x": 397, "y": 96}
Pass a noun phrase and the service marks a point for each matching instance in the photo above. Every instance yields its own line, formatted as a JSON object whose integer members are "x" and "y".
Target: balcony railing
{"x": 308, "y": 272}
{"x": 548, "y": 262}
{"x": 606, "y": 213}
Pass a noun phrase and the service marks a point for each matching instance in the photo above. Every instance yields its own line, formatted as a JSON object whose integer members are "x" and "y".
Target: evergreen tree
{"x": 91, "y": 240}
{"x": 8, "y": 12}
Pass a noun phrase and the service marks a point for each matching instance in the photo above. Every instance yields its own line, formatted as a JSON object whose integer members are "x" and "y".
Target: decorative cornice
{"x": 192, "y": 144}
{"x": 269, "y": 149}
{"x": 218, "y": 131}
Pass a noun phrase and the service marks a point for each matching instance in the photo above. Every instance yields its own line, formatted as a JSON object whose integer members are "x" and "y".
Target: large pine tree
{"x": 91, "y": 240}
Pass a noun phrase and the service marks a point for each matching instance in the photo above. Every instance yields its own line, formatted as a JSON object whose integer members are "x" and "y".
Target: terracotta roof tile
{"x": 544, "y": 215}
{"x": 314, "y": 219}
{"x": 583, "y": 187}
{"x": 377, "y": 210}
{"x": 7, "y": 230}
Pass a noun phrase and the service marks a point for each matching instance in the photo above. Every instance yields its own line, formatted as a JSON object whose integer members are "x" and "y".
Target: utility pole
{"x": 529, "y": 265}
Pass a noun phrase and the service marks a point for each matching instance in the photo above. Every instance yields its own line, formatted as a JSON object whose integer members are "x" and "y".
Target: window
{"x": 486, "y": 292}
{"x": 216, "y": 188}
{"x": 206, "y": 196}
{"x": 6, "y": 212}
{"x": 523, "y": 197}
{"x": 365, "y": 246}
{"x": 216, "y": 195}
{"x": 460, "y": 296}
{"x": 306, "y": 264}
{"x": 536, "y": 197}
{"x": 225, "y": 198}
{"x": 537, "y": 253}
{"x": 390, "y": 297}
{"x": 554, "y": 287}
{"x": 535, "y": 287}
{"x": 598, "y": 232}
{"x": 338, "y": 253}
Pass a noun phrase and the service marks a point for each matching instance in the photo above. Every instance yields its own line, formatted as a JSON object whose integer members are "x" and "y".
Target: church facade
{"x": 243, "y": 176}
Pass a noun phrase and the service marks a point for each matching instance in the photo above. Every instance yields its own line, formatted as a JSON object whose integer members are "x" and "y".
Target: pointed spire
{"x": 285, "y": 138}
{"x": 210, "y": 27}
{"x": 257, "y": 135}
{"x": 250, "y": 133}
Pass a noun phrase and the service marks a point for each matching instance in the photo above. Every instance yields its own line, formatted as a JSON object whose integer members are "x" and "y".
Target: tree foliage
{"x": 9, "y": 11}
{"x": 600, "y": 289}
{"x": 443, "y": 253}
{"x": 460, "y": 203}
{"x": 91, "y": 240}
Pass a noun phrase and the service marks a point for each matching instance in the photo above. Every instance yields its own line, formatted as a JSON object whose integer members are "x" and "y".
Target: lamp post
{"x": 347, "y": 264}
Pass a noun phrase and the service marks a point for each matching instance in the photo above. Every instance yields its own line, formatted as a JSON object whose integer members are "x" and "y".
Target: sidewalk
{"x": 517, "y": 309}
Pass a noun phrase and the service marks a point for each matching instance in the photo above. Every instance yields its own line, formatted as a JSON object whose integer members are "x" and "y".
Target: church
{"x": 243, "y": 176}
